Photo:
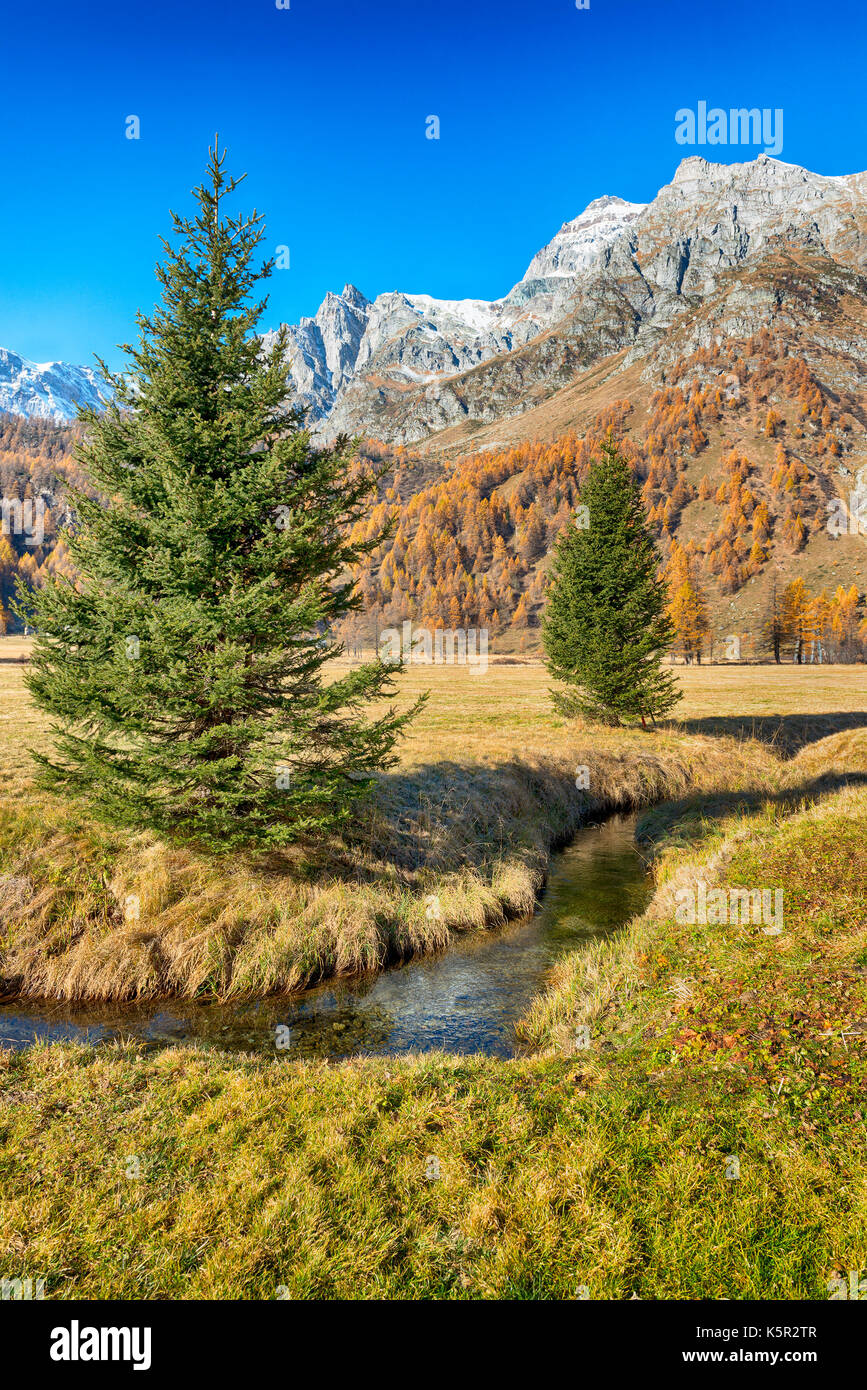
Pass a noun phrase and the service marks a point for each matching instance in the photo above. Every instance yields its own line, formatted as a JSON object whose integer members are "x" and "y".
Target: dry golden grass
{"x": 702, "y": 838}
{"x": 605, "y": 1167}
{"x": 602, "y": 1172}
{"x": 485, "y": 789}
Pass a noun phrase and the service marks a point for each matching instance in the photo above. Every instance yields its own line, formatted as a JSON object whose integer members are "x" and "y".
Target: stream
{"x": 464, "y": 1000}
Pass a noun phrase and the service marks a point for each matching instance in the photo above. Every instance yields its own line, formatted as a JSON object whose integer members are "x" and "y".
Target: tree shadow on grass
{"x": 439, "y": 817}
{"x": 692, "y": 813}
{"x": 445, "y": 817}
{"x": 787, "y": 733}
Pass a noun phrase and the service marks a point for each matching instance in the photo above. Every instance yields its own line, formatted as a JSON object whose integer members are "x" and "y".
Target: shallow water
{"x": 467, "y": 999}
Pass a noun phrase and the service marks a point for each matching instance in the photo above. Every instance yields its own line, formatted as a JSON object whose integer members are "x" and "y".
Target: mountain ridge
{"x": 406, "y": 367}
{"x": 671, "y": 254}
{"x": 45, "y": 390}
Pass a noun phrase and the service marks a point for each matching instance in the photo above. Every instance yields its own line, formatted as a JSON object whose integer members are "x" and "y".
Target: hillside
{"x": 720, "y": 331}
{"x": 424, "y": 366}
{"x": 744, "y": 453}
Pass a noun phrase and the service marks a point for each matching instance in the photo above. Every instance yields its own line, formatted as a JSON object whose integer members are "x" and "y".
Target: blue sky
{"x": 542, "y": 108}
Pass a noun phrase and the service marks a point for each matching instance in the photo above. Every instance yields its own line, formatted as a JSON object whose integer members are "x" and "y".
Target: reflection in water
{"x": 464, "y": 1000}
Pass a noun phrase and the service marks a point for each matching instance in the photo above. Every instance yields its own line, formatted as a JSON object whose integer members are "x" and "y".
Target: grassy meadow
{"x": 569, "y": 1172}
{"x": 485, "y": 788}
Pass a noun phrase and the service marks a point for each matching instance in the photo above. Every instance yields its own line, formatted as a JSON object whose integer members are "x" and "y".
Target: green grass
{"x": 316, "y": 1179}
{"x": 601, "y": 1170}
{"x": 567, "y": 1171}
{"x": 485, "y": 791}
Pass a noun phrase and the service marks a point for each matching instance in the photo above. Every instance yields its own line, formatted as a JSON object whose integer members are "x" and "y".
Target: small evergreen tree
{"x": 687, "y": 606}
{"x": 606, "y": 629}
{"x": 774, "y": 627}
{"x": 184, "y": 667}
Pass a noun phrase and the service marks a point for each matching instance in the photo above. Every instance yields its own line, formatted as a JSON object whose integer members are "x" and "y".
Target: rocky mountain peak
{"x": 619, "y": 275}
{"x": 579, "y": 241}
{"x": 696, "y": 175}
{"x": 353, "y": 296}
{"x": 46, "y": 390}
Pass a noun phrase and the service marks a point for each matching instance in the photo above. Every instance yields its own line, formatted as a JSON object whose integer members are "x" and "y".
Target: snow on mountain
{"x": 620, "y": 273}
{"x": 45, "y": 390}
{"x": 710, "y": 217}
{"x": 619, "y": 276}
{"x": 420, "y": 338}
{"x": 578, "y": 242}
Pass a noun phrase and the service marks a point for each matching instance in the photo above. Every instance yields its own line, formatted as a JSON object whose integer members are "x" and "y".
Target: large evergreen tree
{"x": 605, "y": 628}
{"x": 184, "y": 669}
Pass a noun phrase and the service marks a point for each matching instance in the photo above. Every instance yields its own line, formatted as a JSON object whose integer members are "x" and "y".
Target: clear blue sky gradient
{"x": 542, "y": 107}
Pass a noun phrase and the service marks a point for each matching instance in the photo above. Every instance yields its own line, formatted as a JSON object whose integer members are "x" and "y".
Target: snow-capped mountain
{"x": 617, "y": 276}
{"x": 404, "y": 366}
{"x": 45, "y": 390}
{"x": 578, "y": 242}
{"x": 419, "y": 338}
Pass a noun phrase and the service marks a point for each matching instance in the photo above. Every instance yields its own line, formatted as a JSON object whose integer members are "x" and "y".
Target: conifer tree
{"x": 774, "y": 627}
{"x": 184, "y": 667}
{"x": 797, "y": 618}
{"x": 687, "y": 606}
{"x": 606, "y": 629}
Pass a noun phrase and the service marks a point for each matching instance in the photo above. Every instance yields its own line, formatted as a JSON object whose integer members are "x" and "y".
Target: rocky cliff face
{"x": 412, "y": 340}
{"x": 45, "y": 390}
{"x": 323, "y": 350}
{"x": 578, "y": 242}
{"x": 619, "y": 276}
